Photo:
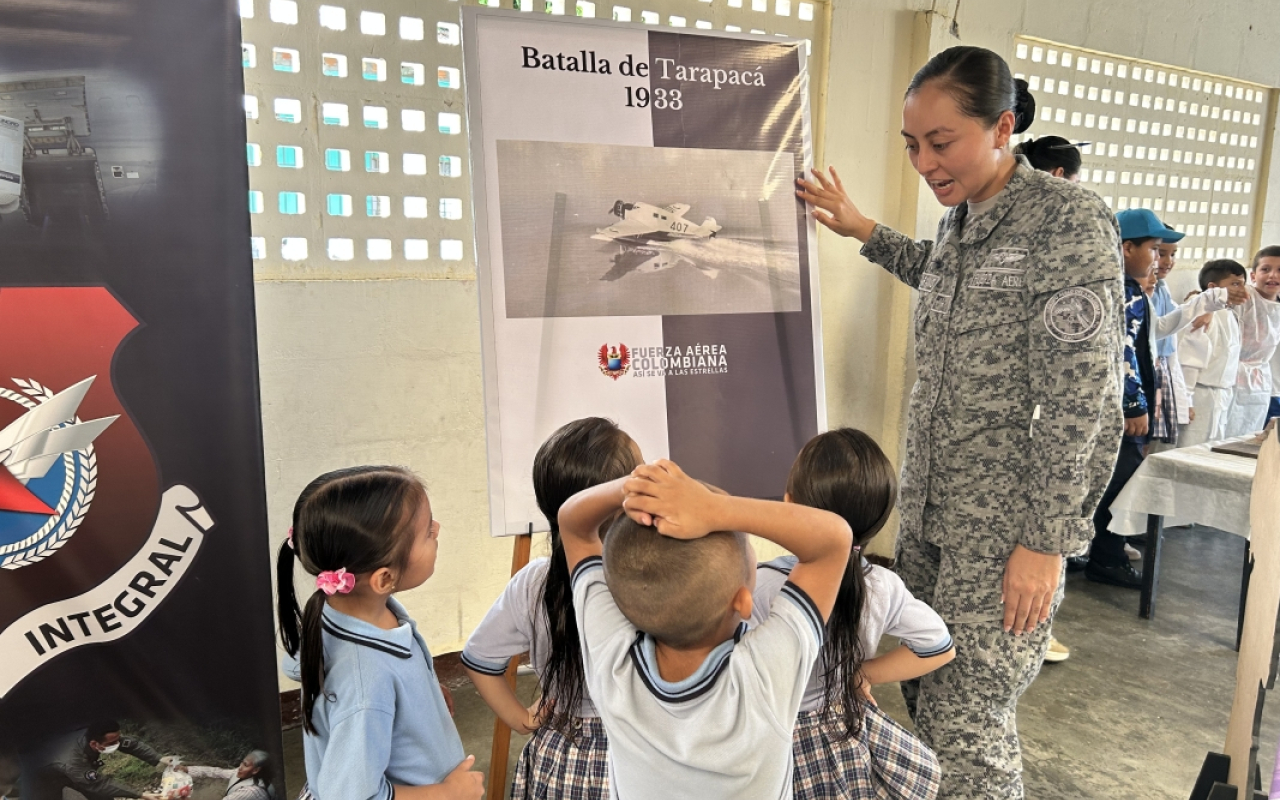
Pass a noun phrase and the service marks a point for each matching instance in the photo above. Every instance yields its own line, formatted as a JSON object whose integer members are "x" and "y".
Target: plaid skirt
{"x": 885, "y": 762}
{"x": 555, "y": 767}
{"x": 1166, "y": 417}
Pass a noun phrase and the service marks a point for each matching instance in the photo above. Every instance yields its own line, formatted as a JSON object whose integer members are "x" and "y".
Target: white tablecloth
{"x": 1186, "y": 485}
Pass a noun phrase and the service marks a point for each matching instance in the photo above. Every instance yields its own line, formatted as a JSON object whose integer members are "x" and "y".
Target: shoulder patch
{"x": 91, "y": 776}
{"x": 1073, "y": 315}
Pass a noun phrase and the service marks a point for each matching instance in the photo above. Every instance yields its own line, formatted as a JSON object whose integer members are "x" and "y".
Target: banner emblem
{"x": 48, "y": 471}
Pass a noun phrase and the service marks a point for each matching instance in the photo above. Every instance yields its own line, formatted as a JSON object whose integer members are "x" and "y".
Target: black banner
{"x": 135, "y": 597}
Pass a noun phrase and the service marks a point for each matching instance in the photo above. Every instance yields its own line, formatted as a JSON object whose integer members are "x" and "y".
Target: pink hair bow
{"x": 333, "y": 582}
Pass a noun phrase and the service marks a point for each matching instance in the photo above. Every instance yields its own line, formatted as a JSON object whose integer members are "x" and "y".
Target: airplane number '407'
{"x": 640, "y": 97}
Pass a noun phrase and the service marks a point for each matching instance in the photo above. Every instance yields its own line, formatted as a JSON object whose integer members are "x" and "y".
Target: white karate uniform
{"x": 1259, "y": 334}
{"x": 1210, "y": 360}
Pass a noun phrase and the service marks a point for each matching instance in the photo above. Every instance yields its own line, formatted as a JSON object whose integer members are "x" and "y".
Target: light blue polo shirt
{"x": 381, "y": 720}
{"x": 1162, "y": 303}
{"x": 723, "y": 732}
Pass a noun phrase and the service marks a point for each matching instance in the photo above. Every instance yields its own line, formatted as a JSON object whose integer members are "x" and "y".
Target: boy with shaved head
{"x": 694, "y": 705}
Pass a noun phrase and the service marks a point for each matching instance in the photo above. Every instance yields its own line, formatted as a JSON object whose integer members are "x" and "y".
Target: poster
{"x": 135, "y": 598}
{"x": 642, "y": 255}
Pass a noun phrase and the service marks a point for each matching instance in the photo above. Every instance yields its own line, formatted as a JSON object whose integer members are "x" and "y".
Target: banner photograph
{"x": 642, "y": 254}
{"x": 135, "y": 600}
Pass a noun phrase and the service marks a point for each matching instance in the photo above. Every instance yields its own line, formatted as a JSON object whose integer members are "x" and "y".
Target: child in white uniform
{"x": 1259, "y": 336}
{"x": 846, "y": 747}
{"x": 567, "y": 756}
{"x": 1210, "y": 358}
{"x": 696, "y": 706}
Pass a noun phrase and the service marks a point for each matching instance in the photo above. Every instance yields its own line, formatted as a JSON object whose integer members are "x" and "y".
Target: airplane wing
{"x": 678, "y": 209}
{"x": 32, "y": 457}
{"x": 53, "y": 412}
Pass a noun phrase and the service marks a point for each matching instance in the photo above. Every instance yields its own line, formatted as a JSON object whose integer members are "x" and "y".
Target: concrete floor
{"x": 1130, "y": 715}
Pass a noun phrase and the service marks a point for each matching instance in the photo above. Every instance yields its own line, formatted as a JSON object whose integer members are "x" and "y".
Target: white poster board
{"x": 641, "y": 252}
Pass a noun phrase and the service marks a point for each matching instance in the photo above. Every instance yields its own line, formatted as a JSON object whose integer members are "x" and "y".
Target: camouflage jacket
{"x": 79, "y": 766}
{"x": 1015, "y": 418}
{"x": 1140, "y": 377}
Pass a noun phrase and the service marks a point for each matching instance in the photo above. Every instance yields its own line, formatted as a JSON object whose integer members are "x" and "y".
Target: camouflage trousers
{"x": 967, "y": 711}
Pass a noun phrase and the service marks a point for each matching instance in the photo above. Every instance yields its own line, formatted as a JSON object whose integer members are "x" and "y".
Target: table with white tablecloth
{"x": 1180, "y": 487}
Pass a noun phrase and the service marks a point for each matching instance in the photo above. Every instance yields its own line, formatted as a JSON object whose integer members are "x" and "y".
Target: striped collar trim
{"x": 397, "y": 641}
{"x": 644, "y": 656}
{"x": 806, "y": 604}
{"x": 584, "y": 565}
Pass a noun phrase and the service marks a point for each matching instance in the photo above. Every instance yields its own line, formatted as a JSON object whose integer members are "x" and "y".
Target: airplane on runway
{"x": 641, "y": 224}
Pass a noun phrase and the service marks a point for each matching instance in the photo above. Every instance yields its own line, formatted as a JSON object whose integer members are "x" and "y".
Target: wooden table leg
{"x": 1245, "y": 575}
{"x": 1151, "y": 566}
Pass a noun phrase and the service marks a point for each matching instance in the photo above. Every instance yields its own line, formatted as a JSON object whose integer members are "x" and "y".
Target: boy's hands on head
{"x": 662, "y": 495}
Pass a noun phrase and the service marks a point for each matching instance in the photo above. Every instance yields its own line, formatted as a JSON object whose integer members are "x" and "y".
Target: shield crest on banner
{"x": 78, "y": 484}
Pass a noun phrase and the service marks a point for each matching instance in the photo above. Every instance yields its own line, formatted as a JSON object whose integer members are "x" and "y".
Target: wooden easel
{"x": 501, "y": 732}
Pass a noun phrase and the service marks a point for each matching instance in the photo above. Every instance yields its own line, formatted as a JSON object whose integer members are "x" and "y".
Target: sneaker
{"x": 1057, "y": 652}
{"x": 1077, "y": 563}
{"x": 1118, "y": 575}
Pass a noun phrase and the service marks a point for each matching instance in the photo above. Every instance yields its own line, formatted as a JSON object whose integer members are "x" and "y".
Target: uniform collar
{"x": 644, "y": 655}
{"x": 94, "y": 756}
{"x": 981, "y": 226}
{"x": 397, "y": 642}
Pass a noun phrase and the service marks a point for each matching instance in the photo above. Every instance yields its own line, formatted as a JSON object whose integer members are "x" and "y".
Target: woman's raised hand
{"x": 832, "y": 206}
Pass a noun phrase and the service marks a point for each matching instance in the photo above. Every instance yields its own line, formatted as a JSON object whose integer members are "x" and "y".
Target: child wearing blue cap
{"x": 1141, "y": 234}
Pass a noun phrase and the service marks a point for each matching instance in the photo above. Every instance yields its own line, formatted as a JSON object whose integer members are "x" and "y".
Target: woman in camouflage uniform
{"x": 1015, "y": 417}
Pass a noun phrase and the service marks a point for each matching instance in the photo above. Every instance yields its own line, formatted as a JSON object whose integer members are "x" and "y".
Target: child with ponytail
{"x": 567, "y": 756}
{"x": 843, "y": 745}
{"x": 376, "y": 723}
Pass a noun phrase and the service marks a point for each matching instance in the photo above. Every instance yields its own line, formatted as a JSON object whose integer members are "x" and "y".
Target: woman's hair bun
{"x": 1024, "y": 106}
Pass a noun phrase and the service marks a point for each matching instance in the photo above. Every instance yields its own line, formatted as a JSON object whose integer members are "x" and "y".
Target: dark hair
{"x": 844, "y": 471}
{"x": 99, "y": 729}
{"x": 356, "y": 518}
{"x": 1270, "y": 251}
{"x": 579, "y": 455}
{"x": 1141, "y": 240}
{"x": 1051, "y": 152}
{"x": 1215, "y": 271}
{"x": 981, "y": 84}
{"x": 679, "y": 591}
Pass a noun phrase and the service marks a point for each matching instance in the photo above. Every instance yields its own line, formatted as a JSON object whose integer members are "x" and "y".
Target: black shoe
{"x": 1077, "y": 563}
{"x": 1118, "y": 575}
